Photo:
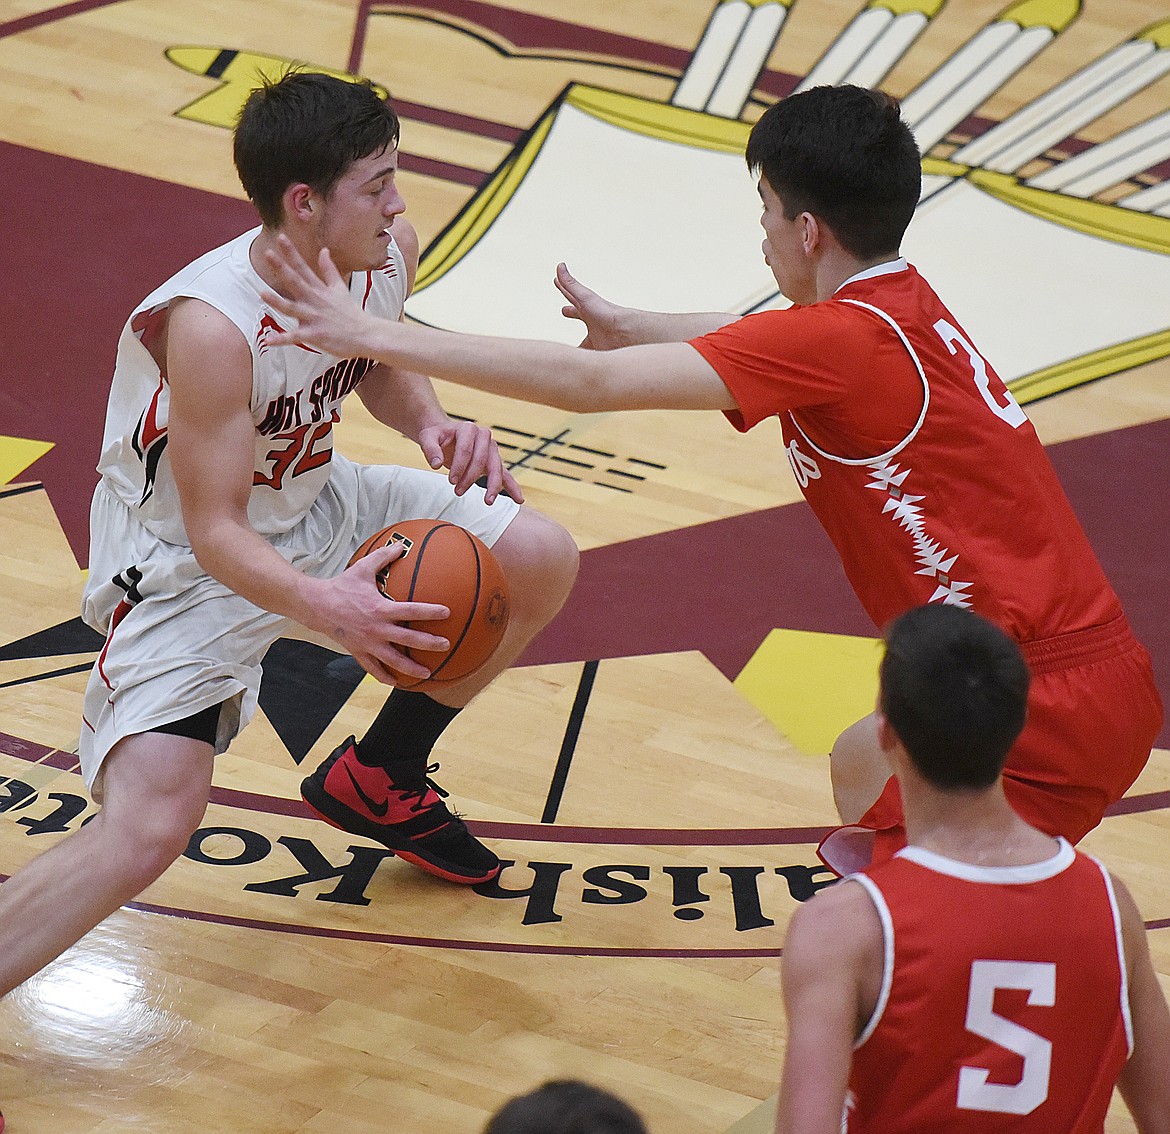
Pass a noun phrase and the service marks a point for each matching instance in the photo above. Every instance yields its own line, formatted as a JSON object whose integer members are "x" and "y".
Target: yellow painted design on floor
{"x": 238, "y": 73}
{"x": 17, "y": 453}
{"x": 810, "y": 685}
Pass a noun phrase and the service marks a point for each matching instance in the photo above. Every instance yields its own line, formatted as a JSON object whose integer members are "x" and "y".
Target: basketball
{"x": 444, "y": 563}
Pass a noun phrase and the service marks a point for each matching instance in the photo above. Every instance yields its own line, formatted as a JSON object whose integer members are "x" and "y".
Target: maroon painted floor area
{"x": 82, "y": 246}
{"x": 91, "y": 242}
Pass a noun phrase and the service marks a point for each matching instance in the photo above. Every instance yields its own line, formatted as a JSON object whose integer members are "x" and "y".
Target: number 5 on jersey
{"x": 1036, "y": 978}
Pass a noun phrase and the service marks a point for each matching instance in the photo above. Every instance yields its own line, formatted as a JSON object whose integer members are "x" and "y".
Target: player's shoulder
{"x": 837, "y": 922}
{"x": 195, "y": 325}
{"x": 406, "y": 237}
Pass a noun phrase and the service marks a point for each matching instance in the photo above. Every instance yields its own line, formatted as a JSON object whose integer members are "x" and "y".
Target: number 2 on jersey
{"x": 1009, "y": 409}
{"x": 1036, "y": 978}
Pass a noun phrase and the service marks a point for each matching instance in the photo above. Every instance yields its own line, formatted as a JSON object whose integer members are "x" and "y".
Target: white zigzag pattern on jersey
{"x": 936, "y": 561}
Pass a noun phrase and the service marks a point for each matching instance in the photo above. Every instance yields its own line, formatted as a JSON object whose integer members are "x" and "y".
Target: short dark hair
{"x": 566, "y": 1106}
{"x": 307, "y": 127}
{"x": 845, "y": 155}
{"x": 955, "y": 689}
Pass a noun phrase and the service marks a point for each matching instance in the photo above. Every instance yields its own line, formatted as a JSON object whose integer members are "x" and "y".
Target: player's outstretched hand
{"x": 603, "y": 320}
{"x": 469, "y": 452}
{"x": 327, "y": 316}
{"x": 371, "y": 627}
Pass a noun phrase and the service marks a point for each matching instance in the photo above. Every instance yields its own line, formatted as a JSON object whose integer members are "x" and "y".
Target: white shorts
{"x": 179, "y": 642}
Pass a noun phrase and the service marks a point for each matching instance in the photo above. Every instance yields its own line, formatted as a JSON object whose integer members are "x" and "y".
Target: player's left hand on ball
{"x": 469, "y": 452}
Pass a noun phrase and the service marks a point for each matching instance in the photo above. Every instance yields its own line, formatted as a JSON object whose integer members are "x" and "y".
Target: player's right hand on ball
{"x": 371, "y": 626}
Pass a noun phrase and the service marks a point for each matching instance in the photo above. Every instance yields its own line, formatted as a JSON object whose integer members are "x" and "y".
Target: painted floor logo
{"x": 1002, "y": 212}
{"x": 261, "y": 862}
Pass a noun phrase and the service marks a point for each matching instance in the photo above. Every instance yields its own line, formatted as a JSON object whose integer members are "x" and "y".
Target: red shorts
{"x": 1093, "y": 715}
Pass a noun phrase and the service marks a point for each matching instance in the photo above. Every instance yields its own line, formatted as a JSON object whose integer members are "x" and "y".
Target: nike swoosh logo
{"x": 378, "y": 809}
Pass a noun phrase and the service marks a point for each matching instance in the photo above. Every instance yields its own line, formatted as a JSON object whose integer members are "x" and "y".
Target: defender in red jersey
{"x": 1021, "y": 1013}
{"x": 919, "y": 463}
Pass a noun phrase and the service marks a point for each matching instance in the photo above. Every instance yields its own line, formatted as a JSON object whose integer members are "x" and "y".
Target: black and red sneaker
{"x": 412, "y": 821}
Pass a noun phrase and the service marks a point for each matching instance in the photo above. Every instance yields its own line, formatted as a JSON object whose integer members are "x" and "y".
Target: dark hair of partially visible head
{"x": 955, "y": 689}
{"x": 845, "y": 155}
{"x": 566, "y": 1106}
{"x": 306, "y": 127}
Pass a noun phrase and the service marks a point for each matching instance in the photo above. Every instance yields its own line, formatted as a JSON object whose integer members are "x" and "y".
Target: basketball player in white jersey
{"x": 987, "y": 977}
{"x": 224, "y": 519}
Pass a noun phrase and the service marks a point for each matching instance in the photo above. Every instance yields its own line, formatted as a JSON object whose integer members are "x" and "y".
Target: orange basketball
{"x": 445, "y": 564}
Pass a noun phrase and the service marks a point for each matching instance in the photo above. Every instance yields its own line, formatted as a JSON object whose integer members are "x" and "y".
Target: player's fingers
{"x": 432, "y": 451}
{"x": 512, "y": 487}
{"x": 401, "y": 611}
{"x": 289, "y": 265}
{"x": 279, "y": 338}
{"x": 493, "y": 476}
{"x": 378, "y": 559}
{"x": 473, "y": 458}
{"x": 462, "y": 452}
{"x": 326, "y": 268}
{"x": 390, "y": 665}
{"x": 568, "y": 284}
{"x": 408, "y": 638}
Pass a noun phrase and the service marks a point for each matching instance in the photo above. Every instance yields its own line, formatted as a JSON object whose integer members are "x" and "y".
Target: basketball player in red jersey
{"x": 1019, "y": 1015}
{"x": 923, "y": 469}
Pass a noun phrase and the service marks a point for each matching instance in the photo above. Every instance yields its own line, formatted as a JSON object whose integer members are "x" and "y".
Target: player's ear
{"x": 299, "y": 200}
{"x": 887, "y": 737}
{"x": 810, "y": 233}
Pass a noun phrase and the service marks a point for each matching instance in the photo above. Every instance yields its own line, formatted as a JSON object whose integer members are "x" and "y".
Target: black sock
{"x": 404, "y": 732}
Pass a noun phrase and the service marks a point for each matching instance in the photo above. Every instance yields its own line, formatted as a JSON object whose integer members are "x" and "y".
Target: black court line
{"x": 541, "y": 450}
{"x": 560, "y": 775}
{"x": 47, "y": 674}
{"x": 20, "y": 490}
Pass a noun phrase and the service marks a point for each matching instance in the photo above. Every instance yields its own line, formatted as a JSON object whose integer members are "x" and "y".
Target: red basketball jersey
{"x": 922, "y": 468}
{"x": 1004, "y": 1004}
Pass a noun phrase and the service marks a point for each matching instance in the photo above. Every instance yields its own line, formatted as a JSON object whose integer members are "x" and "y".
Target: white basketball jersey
{"x": 296, "y": 394}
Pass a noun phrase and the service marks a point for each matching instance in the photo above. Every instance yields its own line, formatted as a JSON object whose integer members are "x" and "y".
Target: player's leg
{"x": 155, "y": 792}
{"x": 868, "y": 800}
{"x": 1092, "y": 720}
{"x": 540, "y": 561}
{"x": 379, "y": 786}
{"x": 858, "y": 769}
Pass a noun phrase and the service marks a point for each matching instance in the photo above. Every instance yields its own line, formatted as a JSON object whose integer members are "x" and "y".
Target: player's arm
{"x": 1145, "y": 1080}
{"x": 406, "y": 401}
{"x": 655, "y": 376}
{"x": 832, "y": 959}
{"x": 211, "y": 445}
{"x": 610, "y": 325}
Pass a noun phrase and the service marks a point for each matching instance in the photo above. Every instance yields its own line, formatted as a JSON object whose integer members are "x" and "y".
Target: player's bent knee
{"x": 158, "y": 840}
{"x": 858, "y": 769}
{"x": 540, "y": 558}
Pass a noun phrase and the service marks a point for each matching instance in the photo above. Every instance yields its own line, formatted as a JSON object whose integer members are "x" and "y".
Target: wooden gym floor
{"x": 655, "y": 768}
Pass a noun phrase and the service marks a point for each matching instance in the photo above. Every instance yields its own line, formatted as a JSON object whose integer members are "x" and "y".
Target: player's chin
{"x": 372, "y": 262}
